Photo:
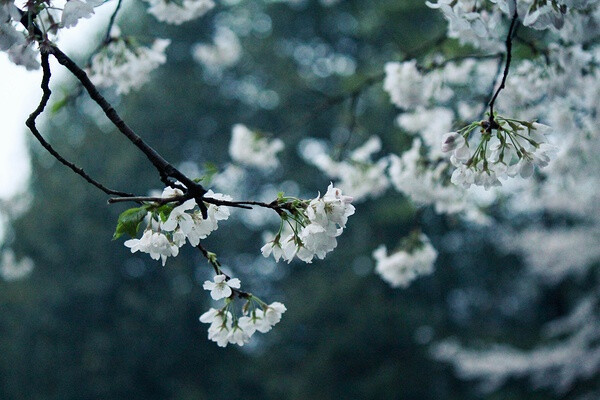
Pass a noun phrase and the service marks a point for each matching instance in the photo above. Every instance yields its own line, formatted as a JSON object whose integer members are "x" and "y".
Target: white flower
{"x": 221, "y": 287}
{"x": 317, "y": 241}
{"x": 237, "y": 335}
{"x": 324, "y": 218}
{"x": 524, "y": 168}
{"x": 274, "y": 312}
{"x": 154, "y": 243}
{"x": 220, "y": 325}
{"x": 264, "y": 320}
{"x": 73, "y": 11}
{"x": 179, "y": 217}
{"x": 452, "y": 141}
{"x": 273, "y": 247}
{"x": 210, "y": 316}
{"x": 331, "y": 209}
{"x": 224, "y": 329}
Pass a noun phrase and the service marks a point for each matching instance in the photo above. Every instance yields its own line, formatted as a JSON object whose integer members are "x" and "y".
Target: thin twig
{"x": 31, "y": 124}
{"x": 111, "y": 22}
{"x": 492, "y": 86}
{"x": 274, "y": 205}
{"x": 509, "y": 38}
{"x": 217, "y": 268}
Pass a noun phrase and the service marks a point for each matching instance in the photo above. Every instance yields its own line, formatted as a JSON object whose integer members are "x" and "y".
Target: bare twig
{"x": 212, "y": 260}
{"x": 509, "y": 38}
{"x": 31, "y": 124}
{"x": 274, "y": 205}
{"x": 111, "y": 22}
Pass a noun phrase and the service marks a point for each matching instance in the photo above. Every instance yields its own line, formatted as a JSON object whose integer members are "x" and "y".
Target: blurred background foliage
{"x": 94, "y": 321}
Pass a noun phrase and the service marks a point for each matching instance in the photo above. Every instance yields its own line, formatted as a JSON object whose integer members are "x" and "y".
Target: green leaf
{"x": 129, "y": 221}
{"x": 165, "y": 210}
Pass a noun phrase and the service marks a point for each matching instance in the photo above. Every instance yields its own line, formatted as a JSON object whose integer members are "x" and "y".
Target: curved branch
{"x": 164, "y": 168}
{"x": 33, "y": 128}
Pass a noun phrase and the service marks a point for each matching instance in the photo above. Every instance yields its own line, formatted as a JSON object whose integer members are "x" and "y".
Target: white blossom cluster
{"x": 250, "y": 149}
{"x": 163, "y": 238}
{"x": 492, "y": 159}
{"x": 315, "y": 227}
{"x": 559, "y": 87}
{"x": 226, "y": 326}
{"x": 402, "y": 267}
{"x": 357, "y": 175}
{"x": 125, "y": 65}
{"x": 430, "y": 104}
{"x": 176, "y": 12}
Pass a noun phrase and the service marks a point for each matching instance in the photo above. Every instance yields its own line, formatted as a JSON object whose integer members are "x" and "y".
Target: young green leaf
{"x": 129, "y": 221}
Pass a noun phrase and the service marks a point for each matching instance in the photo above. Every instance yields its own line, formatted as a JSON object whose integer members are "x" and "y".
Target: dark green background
{"x": 97, "y": 322}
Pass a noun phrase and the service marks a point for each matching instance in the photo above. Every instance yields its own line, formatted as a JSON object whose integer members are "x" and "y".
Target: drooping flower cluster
{"x": 399, "y": 269}
{"x": 510, "y": 148}
{"x": 178, "y": 12}
{"x": 315, "y": 226}
{"x": 226, "y": 326}
{"x": 358, "y": 175}
{"x": 250, "y": 149}
{"x": 169, "y": 227}
{"x": 125, "y": 65}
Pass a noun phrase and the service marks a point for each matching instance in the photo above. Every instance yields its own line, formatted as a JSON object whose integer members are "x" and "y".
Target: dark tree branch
{"x": 491, "y": 87}
{"x": 168, "y": 173}
{"x": 31, "y": 124}
{"x": 274, "y": 205}
{"x": 509, "y": 38}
